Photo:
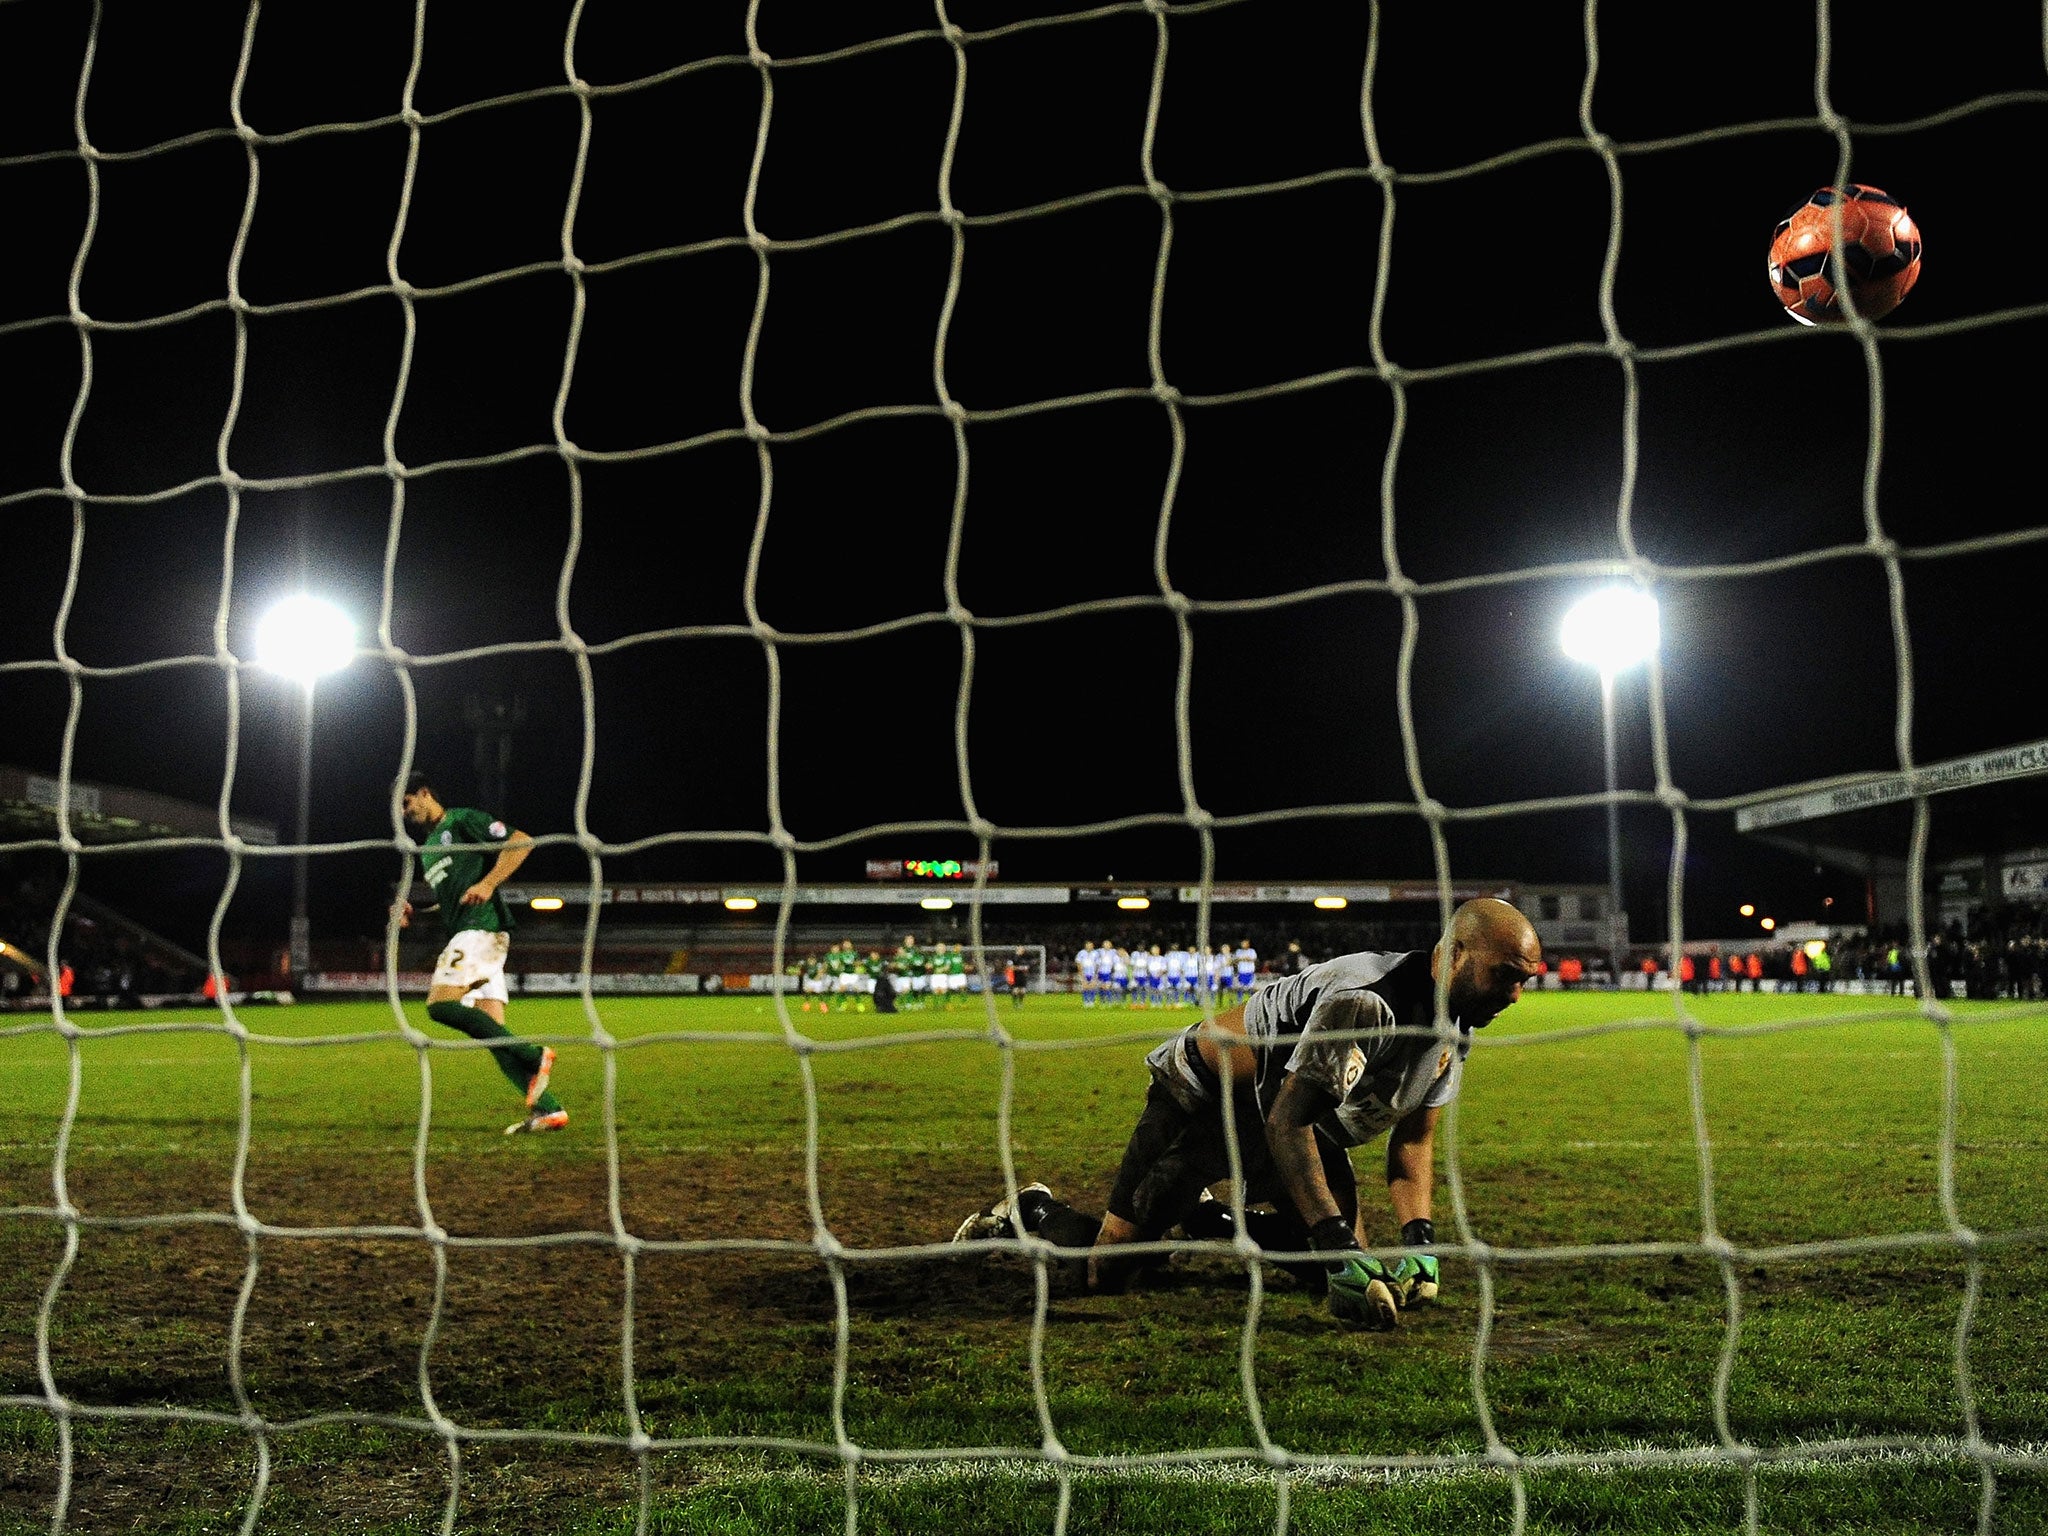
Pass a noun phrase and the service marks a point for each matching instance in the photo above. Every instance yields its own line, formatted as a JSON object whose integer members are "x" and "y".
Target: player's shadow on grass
{"x": 945, "y": 1287}
{"x": 980, "y": 1284}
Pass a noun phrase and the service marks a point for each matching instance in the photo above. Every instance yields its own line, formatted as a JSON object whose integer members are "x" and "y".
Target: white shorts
{"x": 956, "y": 981}
{"x": 475, "y": 961}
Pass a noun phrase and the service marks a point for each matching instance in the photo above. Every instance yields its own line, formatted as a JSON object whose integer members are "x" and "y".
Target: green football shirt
{"x": 457, "y": 853}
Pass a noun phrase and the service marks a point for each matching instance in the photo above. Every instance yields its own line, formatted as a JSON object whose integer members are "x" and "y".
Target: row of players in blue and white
{"x": 1160, "y": 977}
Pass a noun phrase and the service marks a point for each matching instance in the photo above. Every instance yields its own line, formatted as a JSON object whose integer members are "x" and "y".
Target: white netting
{"x": 1373, "y": 178}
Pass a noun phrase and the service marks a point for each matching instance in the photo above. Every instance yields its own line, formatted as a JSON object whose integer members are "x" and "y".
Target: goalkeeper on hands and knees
{"x": 465, "y": 856}
{"x": 1318, "y": 1063}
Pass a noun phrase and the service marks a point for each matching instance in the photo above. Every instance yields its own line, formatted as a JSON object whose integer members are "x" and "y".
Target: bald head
{"x": 1492, "y": 951}
{"x": 1491, "y": 924}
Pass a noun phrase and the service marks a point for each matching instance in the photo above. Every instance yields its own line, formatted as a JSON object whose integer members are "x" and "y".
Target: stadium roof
{"x": 1872, "y": 815}
{"x": 1025, "y": 893}
{"x": 107, "y": 813}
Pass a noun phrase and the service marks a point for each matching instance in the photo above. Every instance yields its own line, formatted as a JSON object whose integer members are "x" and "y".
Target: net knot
{"x": 954, "y": 33}
{"x": 1884, "y": 546}
{"x": 412, "y": 116}
{"x": 1162, "y": 194}
{"x": 1178, "y": 601}
{"x": 1600, "y": 143}
{"x": 1200, "y": 819}
{"x": 1717, "y": 1248}
{"x": 1431, "y": 808}
{"x": 245, "y": 133}
{"x": 759, "y": 58}
{"x": 957, "y": 613}
{"x": 1672, "y": 798}
{"x": 639, "y": 1442}
{"x": 572, "y": 264}
{"x": 1166, "y": 394}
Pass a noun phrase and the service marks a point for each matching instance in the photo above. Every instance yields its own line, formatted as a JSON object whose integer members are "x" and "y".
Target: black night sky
{"x": 671, "y": 531}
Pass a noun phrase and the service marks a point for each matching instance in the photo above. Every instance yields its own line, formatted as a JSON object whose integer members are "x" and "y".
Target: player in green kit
{"x": 910, "y": 967}
{"x": 956, "y": 974}
{"x": 466, "y": 855}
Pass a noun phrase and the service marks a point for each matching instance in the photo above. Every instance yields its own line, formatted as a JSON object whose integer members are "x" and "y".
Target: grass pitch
{"x": 1607, "y": 1371}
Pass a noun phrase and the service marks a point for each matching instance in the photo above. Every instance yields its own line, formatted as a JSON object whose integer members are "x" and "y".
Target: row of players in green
{"x": 844, "y": 979}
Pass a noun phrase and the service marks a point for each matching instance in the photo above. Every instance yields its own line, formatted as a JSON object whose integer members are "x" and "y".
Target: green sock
{"x": 518, "y": 1062}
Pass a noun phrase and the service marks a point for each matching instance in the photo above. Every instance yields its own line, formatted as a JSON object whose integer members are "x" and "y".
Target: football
{"x": 1880, "y": 246}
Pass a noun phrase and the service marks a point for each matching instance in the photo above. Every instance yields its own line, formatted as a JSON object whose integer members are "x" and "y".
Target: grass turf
{"x": 1575, "y": 1129}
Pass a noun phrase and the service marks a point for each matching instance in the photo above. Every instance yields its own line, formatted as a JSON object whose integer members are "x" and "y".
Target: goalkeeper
{"x": 468, "y": 991}
{"x": 1320, "y": 1062}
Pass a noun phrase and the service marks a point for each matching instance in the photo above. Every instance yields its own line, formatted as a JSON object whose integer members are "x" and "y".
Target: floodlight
{"x": 1332, "y": 903}
{"x": 937, "y": 903}
{"x": 1815, "y": 948}
{"x": 546, "y": 903}
{"x": 740, "y": 903}
{"x": 1746, "y": 910}
{"x": 304, "y": 638}
{"x": 1767, "y": 923}
{"x": 1134, "y": 903}
{"x": 1612, "y": 629}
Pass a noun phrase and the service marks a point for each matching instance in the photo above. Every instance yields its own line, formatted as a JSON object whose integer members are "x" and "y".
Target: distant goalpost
{"x": 1260, "y": 1458}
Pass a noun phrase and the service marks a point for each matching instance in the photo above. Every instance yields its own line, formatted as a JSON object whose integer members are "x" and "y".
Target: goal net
{"x": 1237, "y": 394}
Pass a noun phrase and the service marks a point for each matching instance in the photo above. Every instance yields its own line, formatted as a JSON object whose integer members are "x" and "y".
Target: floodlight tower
{"x": 304, "y": 638}
{"x": 1612, "y": 630}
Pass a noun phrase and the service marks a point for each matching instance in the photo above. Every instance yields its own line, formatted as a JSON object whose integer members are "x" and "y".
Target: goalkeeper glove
{"x": 1415, "y": 1278}
{"x": 1359, "y": 1294}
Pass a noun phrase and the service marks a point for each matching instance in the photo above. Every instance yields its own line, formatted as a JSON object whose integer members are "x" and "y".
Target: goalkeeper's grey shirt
{"x": 1377, "y": 1077}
